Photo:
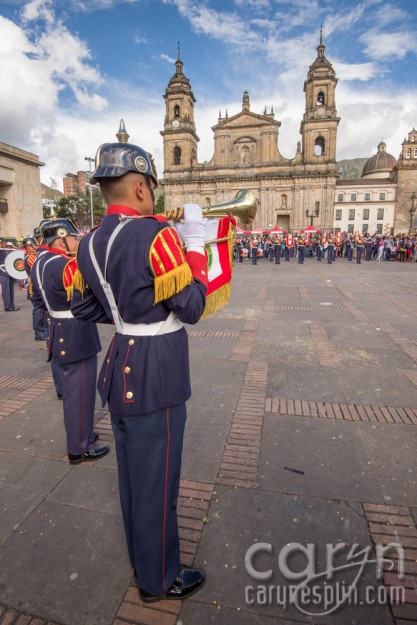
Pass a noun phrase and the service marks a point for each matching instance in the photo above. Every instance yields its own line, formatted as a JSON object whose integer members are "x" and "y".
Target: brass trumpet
{"x": 243, "y": 207}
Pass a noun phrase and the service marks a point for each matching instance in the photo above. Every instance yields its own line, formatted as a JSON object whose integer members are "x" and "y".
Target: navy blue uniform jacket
{"x": 140, "y": 374}
{"x": 69, "y": 340}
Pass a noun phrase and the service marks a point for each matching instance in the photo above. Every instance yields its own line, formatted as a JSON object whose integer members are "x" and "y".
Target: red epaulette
{"x": 68, "y": 276}
{"x": 31, "y": 260}
{"x": 170, "y": 268}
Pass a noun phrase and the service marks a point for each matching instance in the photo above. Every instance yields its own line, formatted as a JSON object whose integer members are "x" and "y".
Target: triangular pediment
{"x": 245, "y": 119}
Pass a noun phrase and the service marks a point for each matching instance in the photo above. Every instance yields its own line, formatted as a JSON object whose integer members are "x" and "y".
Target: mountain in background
{"x": 351, "y": 168}
{"x": 50, "y": 194}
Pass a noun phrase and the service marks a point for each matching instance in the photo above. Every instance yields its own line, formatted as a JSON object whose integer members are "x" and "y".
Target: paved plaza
{"x": 302, "y": 428}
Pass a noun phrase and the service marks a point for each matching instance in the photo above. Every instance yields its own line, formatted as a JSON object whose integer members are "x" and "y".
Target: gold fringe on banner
{"x": 172, "y": 282}
{"x": 219, "y": 298}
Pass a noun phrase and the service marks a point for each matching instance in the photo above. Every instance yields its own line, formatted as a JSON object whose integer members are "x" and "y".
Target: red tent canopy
{"x": 277, "y": 230}
{"x": 240, "y": 231}
{"x": 257, "y": 231}
{"x": 310, "y": 229}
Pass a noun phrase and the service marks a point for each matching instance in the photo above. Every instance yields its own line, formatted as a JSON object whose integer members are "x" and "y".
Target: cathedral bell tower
{"x": 320, "y": 121}
{"x": 179, "y": 134}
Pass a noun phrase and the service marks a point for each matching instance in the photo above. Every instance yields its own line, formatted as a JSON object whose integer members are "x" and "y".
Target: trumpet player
{"x": 135, "y": 274}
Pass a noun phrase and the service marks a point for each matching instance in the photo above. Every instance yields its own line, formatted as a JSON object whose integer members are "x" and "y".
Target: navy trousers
{"x": 148, "y": 449}
{"x": 79, "y": 381}
{"x": 7, "y": 291}
{"x": 39, "y": 323}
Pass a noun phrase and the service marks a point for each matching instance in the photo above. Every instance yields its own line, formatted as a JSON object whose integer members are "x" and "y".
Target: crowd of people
{"x": 326, "y": 246}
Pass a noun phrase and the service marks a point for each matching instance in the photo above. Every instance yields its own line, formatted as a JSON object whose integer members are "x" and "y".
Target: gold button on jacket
{"x": 129, "y": 395}
{"x": 127, "y": 369}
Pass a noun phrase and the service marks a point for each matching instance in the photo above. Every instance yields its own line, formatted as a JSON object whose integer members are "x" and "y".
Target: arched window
{"x": 319, "y": 146}
{"x": 320, "y": 97}
{"x": 208, "y": 201}
{"x": 176, "y": 110}
{"x": 413, "y": 138}
{"x": 415, "y": 152}
{"x": 283, "y": 201}
{"x": 177, "y": 155}
{"x": 408, "y": 153}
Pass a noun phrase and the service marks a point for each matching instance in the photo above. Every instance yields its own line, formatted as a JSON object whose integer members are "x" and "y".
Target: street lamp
{"x": 313, "y": 214}
{"x": 90, "y": 160}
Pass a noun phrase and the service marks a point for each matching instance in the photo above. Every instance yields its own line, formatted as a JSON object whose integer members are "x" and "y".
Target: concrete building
{"x": 20, "y": 191}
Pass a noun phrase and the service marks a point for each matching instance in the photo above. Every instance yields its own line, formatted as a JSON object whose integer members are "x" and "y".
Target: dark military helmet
{"x": 115, "y": 159}
{"x": 55, "y": 228}
{"x": 30, "y": 241}
{"x": 37, "y": 232}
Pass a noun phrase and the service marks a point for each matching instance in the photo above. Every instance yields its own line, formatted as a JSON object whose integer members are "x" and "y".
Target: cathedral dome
{"x": 380, "y": 164}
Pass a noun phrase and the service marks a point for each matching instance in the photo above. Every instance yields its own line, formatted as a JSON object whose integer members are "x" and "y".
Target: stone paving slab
{"x": 308, "y": 457}
{"x": 66, "y": 564}
{"x": 239, "y": 518}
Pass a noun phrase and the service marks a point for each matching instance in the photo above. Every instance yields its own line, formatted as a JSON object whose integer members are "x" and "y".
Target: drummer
{"x": 6, "y": 281}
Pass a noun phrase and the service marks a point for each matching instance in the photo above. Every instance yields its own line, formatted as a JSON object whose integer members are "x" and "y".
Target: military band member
{"x": 6, "y": 281}
{"x": 319, "y": 249}
{"x": 254, "y": 251}
{"x": 330, "y": 249}
{"x": 360, "y": 246}
{"x": 349, "y": 249}
{"x": 72, "y": 344}
{"x": 301, "y": 250}
{"x": 135, "y": 274}
{"x": 369, "y": 242}
{"x": 277, "y": 250}
{"x": 39, "y": 324}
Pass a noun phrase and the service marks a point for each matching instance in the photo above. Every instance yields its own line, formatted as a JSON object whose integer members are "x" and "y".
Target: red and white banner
{"x": 324, "y": 238}
{"x": 339, "y": 238}
{"x": 289, "y": 240}
{"x": 220, "y": 256}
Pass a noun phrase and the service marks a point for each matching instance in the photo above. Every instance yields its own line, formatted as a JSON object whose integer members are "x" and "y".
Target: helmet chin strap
{"x": 69, "y": 253}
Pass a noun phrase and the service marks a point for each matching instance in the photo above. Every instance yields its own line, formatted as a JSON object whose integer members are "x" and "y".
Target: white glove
{"x": 193, "y": 230}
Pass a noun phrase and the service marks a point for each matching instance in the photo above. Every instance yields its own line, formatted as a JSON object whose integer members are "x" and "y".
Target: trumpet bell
{"x": 244, "y": 207}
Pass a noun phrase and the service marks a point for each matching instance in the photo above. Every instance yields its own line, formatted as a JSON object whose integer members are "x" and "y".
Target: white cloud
{"x": 388, "y": 46}
{"x": 167, "y": 58}
{"x": 358, "y": 71}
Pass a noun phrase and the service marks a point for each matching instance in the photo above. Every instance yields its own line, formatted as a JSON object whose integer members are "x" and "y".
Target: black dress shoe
{"x": 92, "y": 454}
{"x": 96, "y": 435}
{"x": 12, "y": 309}
{"x": 39, "y": 338}
{"x": 59, "y": 396}
{"x": 185, "y": 585}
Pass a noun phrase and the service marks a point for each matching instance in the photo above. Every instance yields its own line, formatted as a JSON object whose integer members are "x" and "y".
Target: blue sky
{"x": 71, "y": 70}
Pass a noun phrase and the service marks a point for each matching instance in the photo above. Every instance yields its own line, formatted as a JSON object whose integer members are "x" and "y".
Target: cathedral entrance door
{"x": 283, "y": 221}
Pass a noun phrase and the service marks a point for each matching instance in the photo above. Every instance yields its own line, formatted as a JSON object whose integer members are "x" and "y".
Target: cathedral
{"x": 291, "y": 193}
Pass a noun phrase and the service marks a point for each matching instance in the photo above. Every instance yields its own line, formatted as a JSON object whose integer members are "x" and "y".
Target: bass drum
{"x": 15, "y": 266}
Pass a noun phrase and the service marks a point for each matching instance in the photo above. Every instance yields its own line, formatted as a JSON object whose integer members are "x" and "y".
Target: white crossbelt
{"x": 170, "y": 324}
{"x": 56, "y": 314}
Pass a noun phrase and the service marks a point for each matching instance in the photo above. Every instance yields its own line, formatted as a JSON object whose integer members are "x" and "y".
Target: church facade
{"x": 246, "y": 154}
{"x": 291, "y": 193}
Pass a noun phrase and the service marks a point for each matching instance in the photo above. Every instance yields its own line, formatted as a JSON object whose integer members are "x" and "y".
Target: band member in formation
{"x": 330, "y": 249}
{"x": 72, "y": 344}
{"x": 301, "y": 250}
{"x": 254, "y": 251}
{"x": 39, "y": 323}
{"x": 349, "y": 249}
{"x": 134, "y": 272}
{"x": 6, "y": 281}
{"x": 319, "y": 248}
{"x": 277, "y": 250}
{"x": 360, "y": 246}
{"x": 368, "y": 247}
{"x": 289, "y": 243}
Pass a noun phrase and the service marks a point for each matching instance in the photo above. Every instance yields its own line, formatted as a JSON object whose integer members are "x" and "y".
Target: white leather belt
{"x": 61, "y": 314}
{"x": 171, "y": 324}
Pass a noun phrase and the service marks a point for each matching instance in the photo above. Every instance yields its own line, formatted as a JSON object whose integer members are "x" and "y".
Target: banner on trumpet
{"x": 219, "y": 248}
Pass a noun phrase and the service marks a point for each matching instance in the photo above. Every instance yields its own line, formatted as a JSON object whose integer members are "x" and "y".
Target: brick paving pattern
{"x": 239, "y": 465}
{"x": 347, "y": 412}
{"x": 394, "y": 524}
{"x": 31, "y": 391}
{"x": 326, "y": 353}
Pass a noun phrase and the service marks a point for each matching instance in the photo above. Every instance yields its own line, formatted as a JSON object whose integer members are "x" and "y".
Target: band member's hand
{"x": 193, "y": 230}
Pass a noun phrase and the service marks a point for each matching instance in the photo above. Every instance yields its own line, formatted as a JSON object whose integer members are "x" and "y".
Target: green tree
{"x": 160, "y": 204}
